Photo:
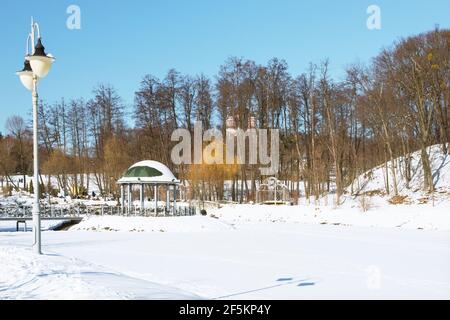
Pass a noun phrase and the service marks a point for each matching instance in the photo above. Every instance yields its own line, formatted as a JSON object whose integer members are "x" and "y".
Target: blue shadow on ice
{"x": 285, "y": 282}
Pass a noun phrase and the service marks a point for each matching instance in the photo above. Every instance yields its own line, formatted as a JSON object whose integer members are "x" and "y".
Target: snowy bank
{"x": 25, "y": 275}
{"x": 424, "y": 216}
{"x": 254, "y": 261}
{"x": 151, "y": 224}
{"x": 47, "y": 225}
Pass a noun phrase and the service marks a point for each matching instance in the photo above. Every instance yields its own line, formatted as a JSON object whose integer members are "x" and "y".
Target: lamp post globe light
{"x": 37, "y": 65}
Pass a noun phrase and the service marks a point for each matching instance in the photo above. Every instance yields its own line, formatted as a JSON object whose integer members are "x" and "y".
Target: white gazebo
{"x": 148, "y": 173}
{"x": 273, "y": 191}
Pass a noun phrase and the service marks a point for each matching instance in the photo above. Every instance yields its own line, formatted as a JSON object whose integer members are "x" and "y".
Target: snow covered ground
{"x": 160, "y": 224}
{"x": 28, "y": 276}
{"x": 251, "y": 260}
{"x": 422, "y": 217}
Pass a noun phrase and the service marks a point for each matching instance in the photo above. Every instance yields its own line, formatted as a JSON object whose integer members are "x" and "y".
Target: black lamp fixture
{"x": 40, "y": 61}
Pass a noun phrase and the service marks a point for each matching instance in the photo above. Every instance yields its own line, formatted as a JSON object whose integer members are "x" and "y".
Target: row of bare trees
{"x": 331, "y": 131}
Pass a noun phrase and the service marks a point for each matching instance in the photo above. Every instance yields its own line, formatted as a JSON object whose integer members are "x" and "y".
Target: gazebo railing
{"x": 160, "y": 212}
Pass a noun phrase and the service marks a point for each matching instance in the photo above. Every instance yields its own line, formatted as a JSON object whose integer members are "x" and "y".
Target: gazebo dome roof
{"x": 148, "y": 172}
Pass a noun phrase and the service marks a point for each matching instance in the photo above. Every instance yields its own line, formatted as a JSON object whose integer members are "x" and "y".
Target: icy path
{"x": 253, "y": 261}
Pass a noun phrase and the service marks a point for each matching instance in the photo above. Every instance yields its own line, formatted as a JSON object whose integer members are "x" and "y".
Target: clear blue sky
{"x": 121, "y": 41}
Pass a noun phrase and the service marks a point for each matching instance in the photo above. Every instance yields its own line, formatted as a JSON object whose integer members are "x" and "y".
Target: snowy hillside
{"x": 373, "y": 182}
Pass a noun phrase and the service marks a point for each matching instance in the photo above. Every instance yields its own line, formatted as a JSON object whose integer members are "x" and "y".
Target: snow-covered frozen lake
{"x": 249, "y": 260}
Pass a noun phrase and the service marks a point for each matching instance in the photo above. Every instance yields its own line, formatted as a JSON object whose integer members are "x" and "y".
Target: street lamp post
{"x": 37, "y": 65}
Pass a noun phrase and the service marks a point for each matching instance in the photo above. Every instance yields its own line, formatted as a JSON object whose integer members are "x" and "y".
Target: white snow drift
{"x": 25, "y": 275}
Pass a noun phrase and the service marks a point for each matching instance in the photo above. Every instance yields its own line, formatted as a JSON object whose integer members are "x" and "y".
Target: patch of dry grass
{"x": 423, "y": 200}
{"x": 396, "y": 200}
{"x": 364, "y": 203}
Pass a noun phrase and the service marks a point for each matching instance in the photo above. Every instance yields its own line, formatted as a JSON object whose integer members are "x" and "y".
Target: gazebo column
{"x": 141, "y": 194}
{"x": 130, "y": 196}
{"x": 122, "y": 198}
{"x": 175, "y": 199}
{"x": 156, "y": 199}
{"x": 168, "y": 198}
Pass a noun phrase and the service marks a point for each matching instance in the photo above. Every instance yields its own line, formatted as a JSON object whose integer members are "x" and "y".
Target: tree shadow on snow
{"x": 437, "y": 173}
{"x": 281, "y": 282}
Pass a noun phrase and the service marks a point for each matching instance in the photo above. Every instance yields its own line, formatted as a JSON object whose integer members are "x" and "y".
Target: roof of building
{"x": 148, "y": 172}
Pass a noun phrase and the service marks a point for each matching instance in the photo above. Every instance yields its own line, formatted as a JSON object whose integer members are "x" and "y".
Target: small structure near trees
{"x": 272, "y": 192}
{"x": 150, "y": 175}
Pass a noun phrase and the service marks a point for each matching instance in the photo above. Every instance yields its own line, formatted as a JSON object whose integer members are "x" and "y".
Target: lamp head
{"x": 26, "y": 76}
{"x": 40, "y": 62}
